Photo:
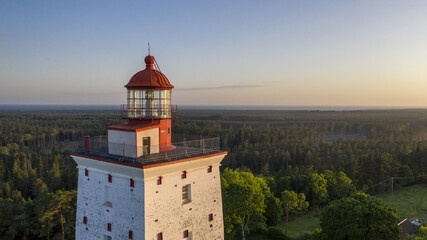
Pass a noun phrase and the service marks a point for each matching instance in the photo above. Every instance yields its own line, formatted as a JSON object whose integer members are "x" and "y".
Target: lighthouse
{"x": 139, "y": 184}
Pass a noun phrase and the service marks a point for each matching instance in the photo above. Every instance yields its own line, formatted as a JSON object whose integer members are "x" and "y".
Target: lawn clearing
{"x": 409, "y": 202}
{"x": 302, "y": 224}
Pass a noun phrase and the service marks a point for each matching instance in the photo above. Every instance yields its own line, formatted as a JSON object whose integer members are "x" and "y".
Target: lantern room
{"x": 149, "y": 94}
{"x": 149, "y": 103}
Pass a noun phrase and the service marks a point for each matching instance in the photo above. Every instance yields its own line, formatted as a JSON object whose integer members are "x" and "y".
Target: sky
{"x": 321, "y": 53}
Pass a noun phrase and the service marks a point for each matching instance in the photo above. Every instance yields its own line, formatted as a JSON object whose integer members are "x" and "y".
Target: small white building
{"x": 140, "y": 185}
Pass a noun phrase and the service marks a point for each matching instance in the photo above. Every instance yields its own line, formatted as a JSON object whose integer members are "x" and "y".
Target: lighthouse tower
{"x": 138, "y": 184}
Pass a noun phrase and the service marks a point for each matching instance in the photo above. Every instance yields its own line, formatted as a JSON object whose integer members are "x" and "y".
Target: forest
{"x": 292, "y": 162}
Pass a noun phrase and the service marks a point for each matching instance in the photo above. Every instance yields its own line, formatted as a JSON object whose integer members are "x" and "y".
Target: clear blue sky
{"x": 348, "y": 53}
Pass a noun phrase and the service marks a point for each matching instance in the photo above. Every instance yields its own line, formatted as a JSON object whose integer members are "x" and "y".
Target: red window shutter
{"x": 109, "y": 227}
{"x": 110, "y": 178}
{"x": 132, "y": 183}
{"x": 85, "y": 220}
{"x": 209, "y": 169}
{"x": 159, "y": 236}
{"x": 184, "y": 175}
{"x": 86, "y": 172}
{"x": 159, "y": 180}
{"x": 130, "y": 234}
{"x": 211, "y": 217}
{"x": 186, "y": 234}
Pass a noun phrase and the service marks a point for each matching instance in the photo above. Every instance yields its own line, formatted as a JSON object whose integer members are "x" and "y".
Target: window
{"x": 85, "y": 220}
{"x": 86, "y": 172}
{"x": 160, "y": 236}
{"x": 110, "y": 178}
{"x": 107, "y": 196}
{"x": 186, "y": 193}
{"x": 210, "y": 169}
{"x": 132, "y": 183}
{"x": 184, "y": 175}
{"x": 186, "y": 234}
{"x": 130, "y": 234}
{"x": 106, "y": 237}
{"x": 210, "y": 217}
{"x": 109, "y": 227}
{"x": 169, "y": 130}
{"x": 159, "y": 180}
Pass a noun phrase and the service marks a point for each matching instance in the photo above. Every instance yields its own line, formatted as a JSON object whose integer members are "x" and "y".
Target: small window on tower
{"x": 186, "y": 234}
{"x": 186, "y": 193}
{"x": 132, "y": 183}
{"x": 130, "y": 234}
{"x": 110, "y": 178}
{"x": 210, "y": 217}
{"x": 159, "y": 180}
{"x": 85, "y": 220}
{"x": 160, "y": 236}
{"x": 169, "y": 130}
{"x": 184, "y": 175}
{"x": 106, "y": 237}
{"x": 210, "y": 169}
{"x": 86, "y": 172}
{"x": 109, "y": 227}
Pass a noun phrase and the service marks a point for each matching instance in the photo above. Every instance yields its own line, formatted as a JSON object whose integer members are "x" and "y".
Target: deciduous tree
{"x": 243, "y": 199}
{"x": 357, "y": 217}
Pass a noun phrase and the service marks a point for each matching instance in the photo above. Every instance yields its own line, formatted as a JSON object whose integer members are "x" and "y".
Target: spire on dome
{"x": 148, "y": 44}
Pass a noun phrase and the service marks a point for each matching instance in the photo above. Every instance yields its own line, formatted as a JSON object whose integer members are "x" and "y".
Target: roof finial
{"x": 148, "y": 43}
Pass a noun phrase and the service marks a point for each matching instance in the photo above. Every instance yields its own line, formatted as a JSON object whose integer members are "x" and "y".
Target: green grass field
{"x": 302, "y": 224}
{"x": 297, "y": 226}
{"x": 409, "y": 202}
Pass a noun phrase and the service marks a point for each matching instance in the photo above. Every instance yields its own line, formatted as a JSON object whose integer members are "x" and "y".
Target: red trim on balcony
{"x": 105, "y": 160}
{"x": 184, "y": 160}
{"x": 152, "y": 165}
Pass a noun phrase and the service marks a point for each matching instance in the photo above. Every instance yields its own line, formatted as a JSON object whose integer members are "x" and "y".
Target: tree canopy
{"x": 243, "y": 197}
{"x": 358, "y": 217}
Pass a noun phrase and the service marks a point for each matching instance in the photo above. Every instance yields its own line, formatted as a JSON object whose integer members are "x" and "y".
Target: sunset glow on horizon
{"x": 323, "y": 53}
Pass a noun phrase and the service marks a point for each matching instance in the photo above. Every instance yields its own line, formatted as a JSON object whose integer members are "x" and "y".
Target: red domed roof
{"x": 149, "y": 77}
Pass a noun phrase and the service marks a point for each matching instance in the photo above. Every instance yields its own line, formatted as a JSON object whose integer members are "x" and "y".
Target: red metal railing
{"x": 149, "y": 112}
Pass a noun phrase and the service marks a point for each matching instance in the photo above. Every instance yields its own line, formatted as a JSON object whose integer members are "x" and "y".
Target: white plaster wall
{"x": 150, "y": 208}
{"x": 154, "y": 138}
{"x": 165, "y": 211}
{"x": 127, "y": 211}
{"x": 122, "y": 143}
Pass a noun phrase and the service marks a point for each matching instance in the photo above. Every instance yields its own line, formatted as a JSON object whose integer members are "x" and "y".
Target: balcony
{"x": 99, "y": 147}
{"x": 149, "y": 112}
